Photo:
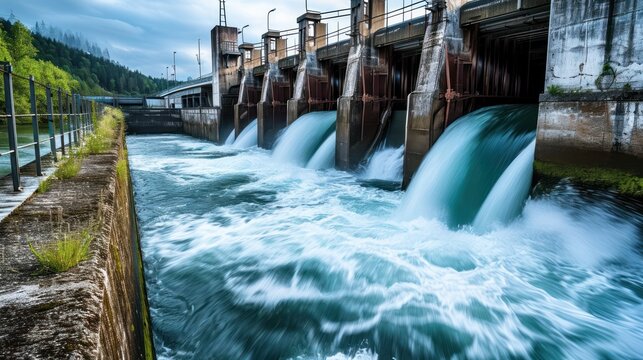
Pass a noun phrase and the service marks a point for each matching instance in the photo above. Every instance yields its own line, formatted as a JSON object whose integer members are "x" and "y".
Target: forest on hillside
{"x": 93, "y": 75}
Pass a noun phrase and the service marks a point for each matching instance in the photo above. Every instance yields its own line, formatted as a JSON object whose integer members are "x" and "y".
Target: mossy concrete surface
{"x": 93, "y": 310}
{"x": 623, "y": 182}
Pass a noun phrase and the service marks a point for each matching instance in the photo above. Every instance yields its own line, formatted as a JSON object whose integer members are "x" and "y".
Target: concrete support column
{"x": 267, "y": 122}
{"x": 355, "y": 131}
{"x": 226, "y": 63}
{"x": 425, "y": 112}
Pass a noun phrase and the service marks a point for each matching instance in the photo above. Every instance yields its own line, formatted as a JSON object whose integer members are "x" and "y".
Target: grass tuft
{"x": 68, "y": 168}
{"x": 65, "y": 253}
{"x": 44, "y": 186}
{"x": 121, "y": 170}
{"x": 555, "y": 90}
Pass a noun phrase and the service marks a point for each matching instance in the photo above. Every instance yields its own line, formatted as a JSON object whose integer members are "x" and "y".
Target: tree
{"x": 20, "y": 43}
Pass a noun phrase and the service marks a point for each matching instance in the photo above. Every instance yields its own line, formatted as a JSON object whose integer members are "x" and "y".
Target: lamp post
{"x": 268, "y": 18}
{"x": 198, "y": 58}
{"x": 174, "y": 65}
{"x": 167, "y": 76}
{"x": 241, "y": 32}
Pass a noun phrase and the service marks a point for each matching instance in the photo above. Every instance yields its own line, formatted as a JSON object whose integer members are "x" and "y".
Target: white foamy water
{"x": 247, "y": 257}
{"x": 386, "y": 164}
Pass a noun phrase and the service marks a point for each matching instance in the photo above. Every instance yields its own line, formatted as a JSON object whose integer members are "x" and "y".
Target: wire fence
{"x": 68, "y": 116}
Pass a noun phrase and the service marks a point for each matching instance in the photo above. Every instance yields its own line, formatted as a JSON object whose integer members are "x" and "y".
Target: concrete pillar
{"x": 226, "y": 62}
{"x": 245, "y": 110}
{"x": 269, "y": 118}
{"x": 425, "y": 112}
{"x": 354, "y": 134}
{"x": 311, "y": 36}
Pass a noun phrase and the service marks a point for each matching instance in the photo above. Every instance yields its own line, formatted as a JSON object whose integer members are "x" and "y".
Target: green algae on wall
{"x": 621, "y": 181}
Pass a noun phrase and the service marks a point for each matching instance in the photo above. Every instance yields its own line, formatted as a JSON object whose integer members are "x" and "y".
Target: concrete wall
{"x": 96, "y": 310}
{"x": 595, "y": 58}
{"x": 588, "y": 132}
{"x": 202, "y": 123}
{"x": 585, "y": 35}
{"x": 153, "y": 121}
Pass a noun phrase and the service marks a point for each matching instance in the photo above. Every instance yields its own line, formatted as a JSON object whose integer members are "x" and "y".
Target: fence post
{"x": 50, "y": 124}
{"x": 69, "y": 125}
{"x": 11, "y": 126}
{"x": 61, "y": 120}
{"x": 83, "y": 116}
{"x": 73, "y": 117}
{"x": 34, "y": 125}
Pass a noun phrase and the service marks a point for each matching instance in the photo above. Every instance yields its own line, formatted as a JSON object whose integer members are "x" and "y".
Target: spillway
{"x": 249, "y": 257}
{"x": 324, "y": 157}
{"x": 465, "y": 163}
{"x": 385, "y": 164}
{"x": 302, "y": 138}
{"x": 248, "y": 136}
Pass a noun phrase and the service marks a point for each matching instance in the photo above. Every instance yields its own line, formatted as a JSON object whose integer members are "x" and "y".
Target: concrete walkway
{"x": 9, "y": 199}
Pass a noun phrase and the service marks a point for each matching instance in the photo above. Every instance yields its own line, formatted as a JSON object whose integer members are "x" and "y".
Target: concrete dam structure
{"x": 441, "y": 180}
{"x": 581, "y": 62}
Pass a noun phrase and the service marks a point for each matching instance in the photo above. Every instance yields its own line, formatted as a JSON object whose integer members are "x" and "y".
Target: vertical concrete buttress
{"x": 352, "y": 141}
{"x": 226, "y": 61}
{"x": 311, "y": 37}
{"x": 425, "y": 113}
{"x": 271, "y": 113}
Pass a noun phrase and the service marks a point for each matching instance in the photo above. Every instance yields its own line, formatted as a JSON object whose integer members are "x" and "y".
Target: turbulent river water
{"x": 249, "y": 257}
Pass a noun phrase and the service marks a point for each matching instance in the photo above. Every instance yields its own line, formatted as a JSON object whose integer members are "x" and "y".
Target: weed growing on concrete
{"x": 121, "y": 170}
{"x": 66, "y": 252}
{"x": 555, "y": 90}
{"x": 105, "y": 132}
{"x": 44, "y": 185}
{"x": 68, "y": 168}
{"x": 627, "y": 87}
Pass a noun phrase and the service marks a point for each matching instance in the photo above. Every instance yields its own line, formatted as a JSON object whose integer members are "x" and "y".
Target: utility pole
{"x": 167, "y": 76}
{"x": 198, "y": 58}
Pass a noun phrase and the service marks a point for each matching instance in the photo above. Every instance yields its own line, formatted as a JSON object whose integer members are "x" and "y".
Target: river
{"x": 249, "y": 257}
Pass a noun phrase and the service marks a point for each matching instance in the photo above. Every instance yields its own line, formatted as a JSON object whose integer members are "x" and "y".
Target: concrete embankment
{"x": 97, "y": 309}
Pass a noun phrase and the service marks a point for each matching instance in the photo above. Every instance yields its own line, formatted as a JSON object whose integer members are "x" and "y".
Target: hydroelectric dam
{"x": 440, "y": 180}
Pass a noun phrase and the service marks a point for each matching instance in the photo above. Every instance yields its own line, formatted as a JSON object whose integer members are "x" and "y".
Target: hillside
{"x": 96, "y": 75}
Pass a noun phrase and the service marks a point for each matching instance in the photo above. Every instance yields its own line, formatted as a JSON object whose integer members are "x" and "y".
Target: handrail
{"x": 73, "y": 116}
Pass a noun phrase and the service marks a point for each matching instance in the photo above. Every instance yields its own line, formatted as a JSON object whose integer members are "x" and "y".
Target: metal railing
{"x": 73, "y": 114}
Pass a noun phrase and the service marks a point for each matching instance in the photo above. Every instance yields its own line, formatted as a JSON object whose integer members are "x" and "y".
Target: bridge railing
{"x": 68, "y": 116}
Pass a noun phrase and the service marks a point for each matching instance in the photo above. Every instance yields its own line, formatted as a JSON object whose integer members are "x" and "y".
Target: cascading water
{"x": 250, "y": 258}
{"x": 248, "y": 136}
{"x": 324, "y": 157}
{"x": 506, "y": 199}
{"x": 230, "y": 139}
{"x": 385, "y": 164}
{"x": 465, "y": 163}
{"x": 302, "y": 138}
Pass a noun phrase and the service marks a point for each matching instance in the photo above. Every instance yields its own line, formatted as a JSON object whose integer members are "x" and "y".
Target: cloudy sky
{"x": 142, "y": 34}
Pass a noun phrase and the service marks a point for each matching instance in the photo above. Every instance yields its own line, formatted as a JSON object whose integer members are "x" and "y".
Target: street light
{"x": 198, "y": 58}
{"x": 174, "y": 65}
{"x": 241, "y": 32}
{"x": 268, "y": 18}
